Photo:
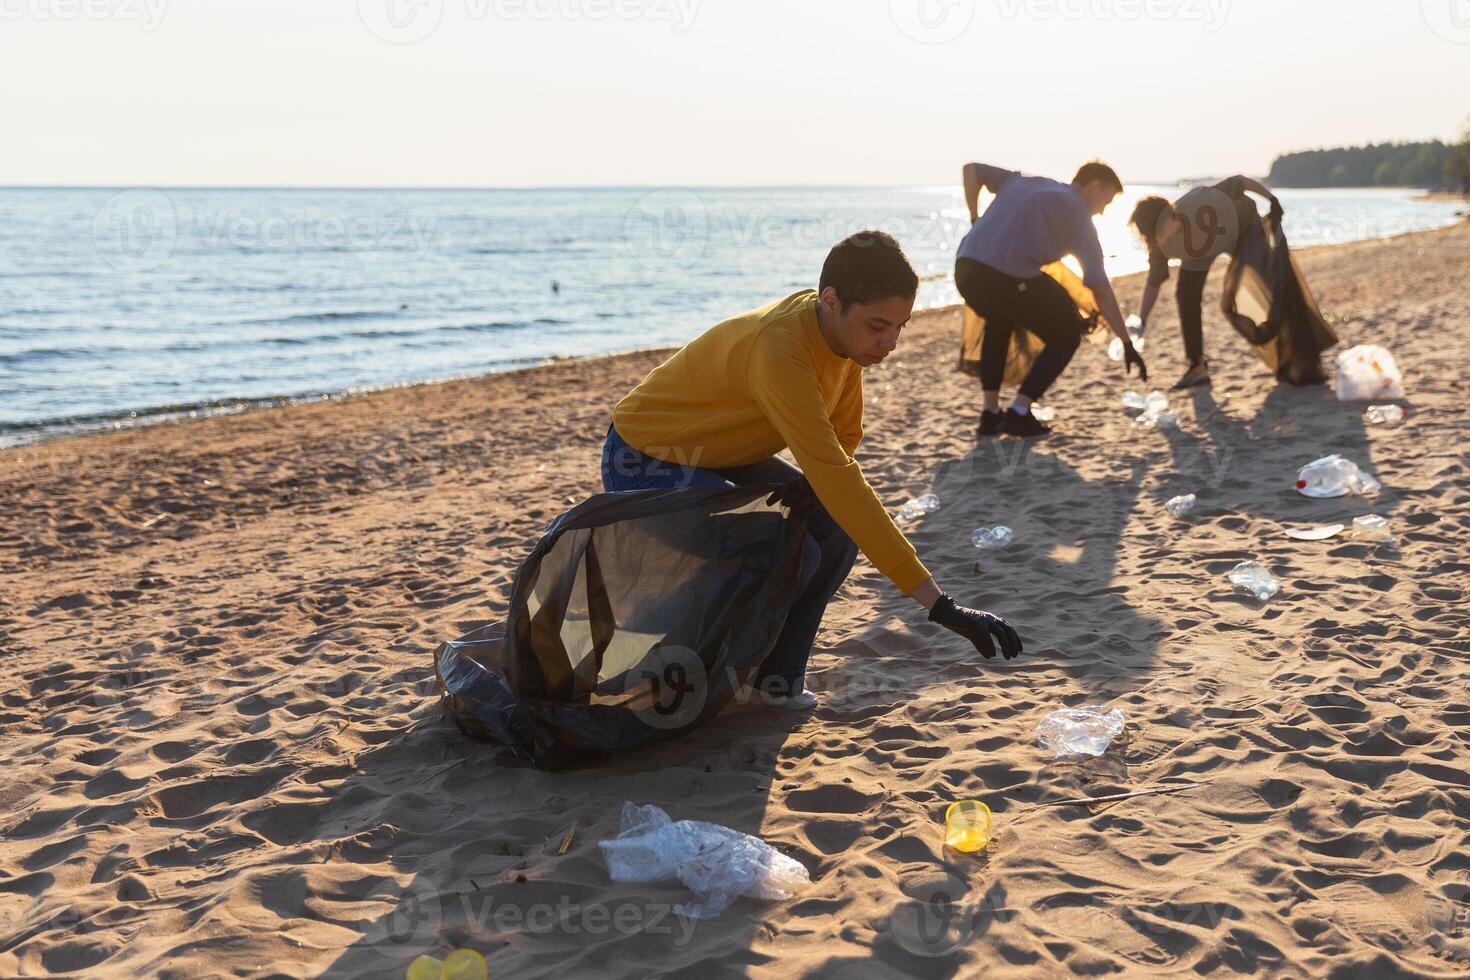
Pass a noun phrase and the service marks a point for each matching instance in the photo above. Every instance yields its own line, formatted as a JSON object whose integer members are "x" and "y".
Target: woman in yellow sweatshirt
{"x": 789, "y": 375}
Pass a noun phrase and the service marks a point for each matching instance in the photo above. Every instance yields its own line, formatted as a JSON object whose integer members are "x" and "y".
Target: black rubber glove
{"x": 981, "y": 628}
{"x": 797, "y": 495}
{"x": 1276, "y": 211}
{"x": 1131, "y": 359}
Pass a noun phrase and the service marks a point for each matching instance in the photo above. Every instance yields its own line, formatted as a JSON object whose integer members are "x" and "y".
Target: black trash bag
{"x": 1266, "y": 299}
{"x": 634, "y": 620}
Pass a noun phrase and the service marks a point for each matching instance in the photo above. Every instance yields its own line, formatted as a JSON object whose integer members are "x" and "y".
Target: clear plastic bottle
{"x": 1132, "y": 399}
{"x": 1134, "y": 326}
{"x": 1372, "y": 528}
{"x": 1334, "y": 476}
{"x": 917, "y": 508}
{"x": 1384, "y": 414}
{"x": 992, "y": 537}
{"x": 1252, "y": 578}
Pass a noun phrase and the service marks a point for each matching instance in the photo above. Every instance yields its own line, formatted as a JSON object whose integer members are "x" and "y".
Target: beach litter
{"x": 1321, "y": 533}
{"x": 917, "y": 508}
{"x": 1252, "y": 578}
{"x": 991, "y": 537}
{"x": 1334, "y": 476}
{"x": 1134, "y": 326}
{"x": 1087, "y": 730}
{"x": 967, "y": 826}
{"x": 462, "y": 964}
{"x": 1367, "y": 372}
{"x": 1179, "y": 506}
{"x": 1043, "y": 413}
{"x": 1384, "y": 414}
{"x": 1372, "y": 528}
{"x": 1133, "y": 400}
{"x": 716, "y": 863}
{"x": 1156, "y": 414}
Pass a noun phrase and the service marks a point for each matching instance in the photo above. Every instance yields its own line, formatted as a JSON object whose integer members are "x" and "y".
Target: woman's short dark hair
{"x": 1147, "y": 214}
{"x": 867, "y": 267}
{"x": 1100, "y": 172}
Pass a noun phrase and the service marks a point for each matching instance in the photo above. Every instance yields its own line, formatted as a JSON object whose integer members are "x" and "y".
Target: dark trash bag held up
{"x": 634, "y": 620}
{"x": 1267, "y": 301}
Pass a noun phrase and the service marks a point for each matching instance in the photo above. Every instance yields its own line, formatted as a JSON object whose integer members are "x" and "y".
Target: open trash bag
{"x": 1266, "y": 300}
{"x": 716, "y": 863}
{"x": 1025, "y": 345}
{"x": 635, "y": 619}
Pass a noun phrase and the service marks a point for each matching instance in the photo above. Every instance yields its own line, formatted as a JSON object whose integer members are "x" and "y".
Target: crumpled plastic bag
{"x": 1335, "y": 476}
{"x": 716, "y": 863}
{"x": 1367, "y": 372}
{"x": 1087, "y": 730}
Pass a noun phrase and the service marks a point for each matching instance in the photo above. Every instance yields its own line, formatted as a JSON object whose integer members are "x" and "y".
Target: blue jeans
{"x": 825, "y": 562}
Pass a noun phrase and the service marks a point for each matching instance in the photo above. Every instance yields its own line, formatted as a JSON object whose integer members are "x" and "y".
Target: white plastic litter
{"x": 1335, "y": 476}
{"x": 1043, "y": 413}
{"x": 717, "y": 863}
{"x": 1179, "y": 506}
{"x": 1132, "y": 399}
{"x": 1134, "y": 326}
{"x": 1164, "y": 420}
{"x": 1382, "y": 414}
{"x": 1087, "y": 730}
{"x": 1251, "y": 577}
{"x": 1372, "y": 528}
{"x": 992, "y": 537}
{"x": 917, "y": 508}
{"x": 1156, "y": 402}
{"x": 1368, "y": 371}
{"x": 1315, "y": 533}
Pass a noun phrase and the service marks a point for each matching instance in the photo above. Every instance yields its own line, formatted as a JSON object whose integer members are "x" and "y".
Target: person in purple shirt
{"x": 1033, "y": 222}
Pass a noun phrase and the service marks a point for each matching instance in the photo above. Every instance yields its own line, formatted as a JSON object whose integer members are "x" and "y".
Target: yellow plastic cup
{"x": 967, "y": 826}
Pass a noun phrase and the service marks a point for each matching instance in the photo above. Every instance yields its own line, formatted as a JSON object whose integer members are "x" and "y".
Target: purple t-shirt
{"x": 1033, "y": 221}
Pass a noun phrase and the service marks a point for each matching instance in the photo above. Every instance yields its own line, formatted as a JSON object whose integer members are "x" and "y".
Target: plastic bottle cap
{"x": 1301, "y": 484}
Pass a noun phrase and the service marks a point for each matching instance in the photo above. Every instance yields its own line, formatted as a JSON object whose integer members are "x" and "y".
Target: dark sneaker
{"x": 990, "y": 423}
{"x": 1025, "y": 426}
{"x": 1198, "y": 374}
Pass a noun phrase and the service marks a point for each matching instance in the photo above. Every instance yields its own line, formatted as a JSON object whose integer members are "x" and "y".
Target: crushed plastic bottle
{"x": 1134, "y": 326}
{"x": 992, "y": 537}
{"x": 1133, "y": 400}
{"x": 1156, "y": 402}
{"x": 1087, "y": 730}
{"x": 717, "y": 863}
{"x": 1181, "y": 505}
{"x": 1383, "y": 414}
{"x": 1373, "y": 529}
{"x": 1043, "y": 413}
{"x": 1252, "y": 578}
{"x": 1334, "y": 476}
{"x": 917, "y": 508}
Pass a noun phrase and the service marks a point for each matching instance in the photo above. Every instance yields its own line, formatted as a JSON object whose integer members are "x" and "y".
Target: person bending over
{"x": 1205, "y": 223}
{"x": 1033, "y": 222}
{"x": 790, "y": 375}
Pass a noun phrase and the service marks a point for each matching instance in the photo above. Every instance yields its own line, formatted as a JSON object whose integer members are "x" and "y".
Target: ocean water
{"x": 121, "y": 306}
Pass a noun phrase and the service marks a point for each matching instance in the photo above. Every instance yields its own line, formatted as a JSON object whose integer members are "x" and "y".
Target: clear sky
{"x": 688, "y": 92}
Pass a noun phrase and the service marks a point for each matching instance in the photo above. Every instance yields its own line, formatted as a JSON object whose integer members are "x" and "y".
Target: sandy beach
{"x": 224, "y": 756}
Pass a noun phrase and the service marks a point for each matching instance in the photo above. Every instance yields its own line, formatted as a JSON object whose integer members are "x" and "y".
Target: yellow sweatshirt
{"x": 759, "y": 383}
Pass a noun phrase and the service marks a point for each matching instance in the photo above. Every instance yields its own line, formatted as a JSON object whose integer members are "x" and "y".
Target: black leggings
{"x": 1190, "y": 292}
{"x": 1039, "y": 305}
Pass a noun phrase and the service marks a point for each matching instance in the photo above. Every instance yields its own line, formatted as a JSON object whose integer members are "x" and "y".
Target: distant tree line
{"x": 1432, "y": 165}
